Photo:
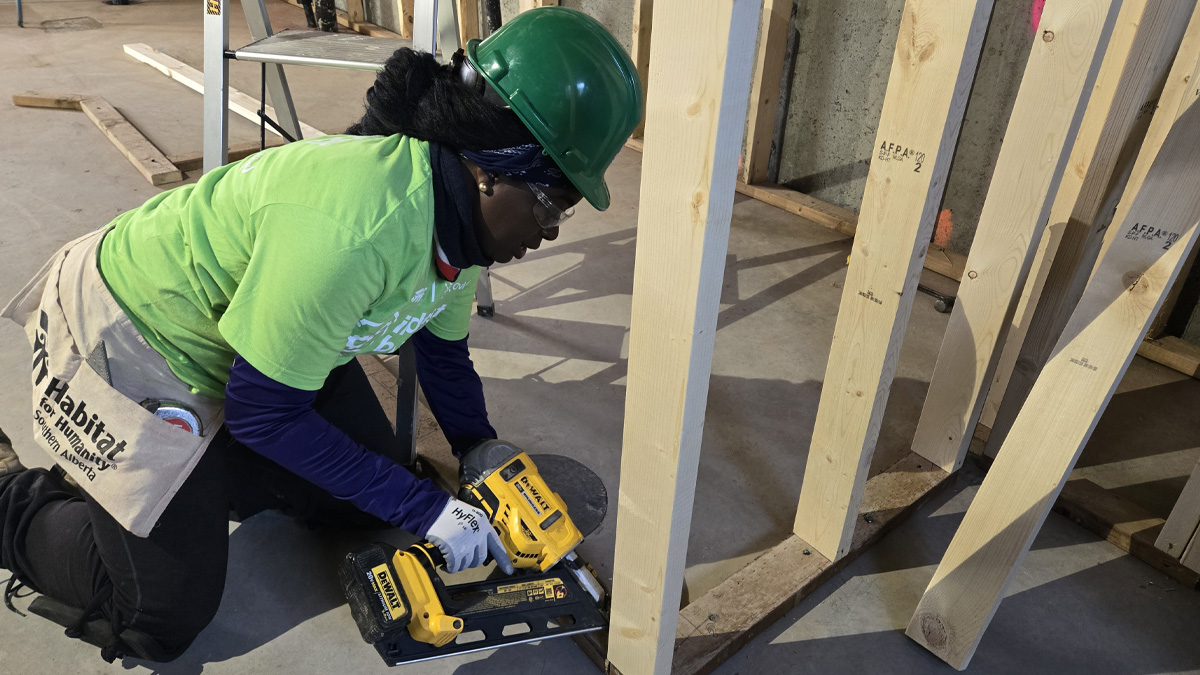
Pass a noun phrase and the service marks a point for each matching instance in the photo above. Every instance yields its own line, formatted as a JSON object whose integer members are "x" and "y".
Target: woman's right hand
{"x": 465, "y": 537}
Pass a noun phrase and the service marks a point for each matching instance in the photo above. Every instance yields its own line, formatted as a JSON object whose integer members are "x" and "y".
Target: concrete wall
{"x": 842, "y": 64}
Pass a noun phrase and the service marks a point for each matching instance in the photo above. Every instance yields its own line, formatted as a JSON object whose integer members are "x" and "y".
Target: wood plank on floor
{"x": 35, "y": 100}
{"x": 145, "y": 157}
{"x": 734, "y": 612}
{"x": 1174, "y": 353}
{"x": 140, "y": 152}
{"x": 822, "y": 213}
{"x": 1123, "y": 523}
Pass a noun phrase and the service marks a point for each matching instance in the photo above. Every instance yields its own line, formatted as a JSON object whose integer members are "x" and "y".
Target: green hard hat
{"x": 570, "y": 82}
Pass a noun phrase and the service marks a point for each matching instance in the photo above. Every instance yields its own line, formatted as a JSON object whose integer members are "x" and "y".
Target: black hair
{"x": 418, "y": 97}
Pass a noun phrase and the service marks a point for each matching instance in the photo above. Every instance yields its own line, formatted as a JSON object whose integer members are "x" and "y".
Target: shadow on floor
{"x": 281, "y": 574}
{"x": 1078, "y": 606}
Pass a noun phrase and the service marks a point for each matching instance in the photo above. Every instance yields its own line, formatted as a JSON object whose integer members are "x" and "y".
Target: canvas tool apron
{"x": 91, "y": 372}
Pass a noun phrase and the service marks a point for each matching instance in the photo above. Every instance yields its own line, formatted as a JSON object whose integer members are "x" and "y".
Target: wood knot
{"x": 937, "y": 635}
{"x": 1132, "y": 281}
{"x": 927, "y": 52}
{"x": 1047, "y": 36}
{"x": 973, "y": 274}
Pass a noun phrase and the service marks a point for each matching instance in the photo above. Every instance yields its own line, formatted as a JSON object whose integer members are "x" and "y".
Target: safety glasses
{"x": 546, "y": 212}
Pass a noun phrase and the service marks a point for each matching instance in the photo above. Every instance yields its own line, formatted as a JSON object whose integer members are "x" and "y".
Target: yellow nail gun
{"x": 403, "y": 608}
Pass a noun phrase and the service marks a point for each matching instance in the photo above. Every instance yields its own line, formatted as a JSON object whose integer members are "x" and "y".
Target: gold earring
{"x": 483, "y": 187}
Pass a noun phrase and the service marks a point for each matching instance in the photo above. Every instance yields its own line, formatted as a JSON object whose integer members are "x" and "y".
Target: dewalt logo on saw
{"x": 537, "y": 501}
{"x": 387, "y": 590}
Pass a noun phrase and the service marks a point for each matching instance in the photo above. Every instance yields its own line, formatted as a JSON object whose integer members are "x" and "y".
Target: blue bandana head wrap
{"x": 528, "y": 163}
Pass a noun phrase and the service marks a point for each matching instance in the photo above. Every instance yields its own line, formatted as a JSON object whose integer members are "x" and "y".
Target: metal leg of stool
{"x": 484, "y": 304}
{"x": 406, "y": 404}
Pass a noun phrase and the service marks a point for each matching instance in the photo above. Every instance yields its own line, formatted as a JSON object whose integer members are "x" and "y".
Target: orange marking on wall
{"x": 943, "y": 229}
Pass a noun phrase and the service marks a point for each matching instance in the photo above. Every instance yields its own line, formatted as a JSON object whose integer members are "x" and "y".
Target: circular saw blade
{"x": 578, "y": 486}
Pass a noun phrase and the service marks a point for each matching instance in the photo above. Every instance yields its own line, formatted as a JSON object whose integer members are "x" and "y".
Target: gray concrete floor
{"x": 553, "y": 362}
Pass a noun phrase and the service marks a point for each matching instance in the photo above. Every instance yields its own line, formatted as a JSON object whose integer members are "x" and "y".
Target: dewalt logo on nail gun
{"x": 387, "y": 589}
{"x": 526, "y": 488}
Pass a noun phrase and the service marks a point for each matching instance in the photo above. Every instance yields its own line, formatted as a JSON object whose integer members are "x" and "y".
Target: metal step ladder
{"x": 434, "y": 25}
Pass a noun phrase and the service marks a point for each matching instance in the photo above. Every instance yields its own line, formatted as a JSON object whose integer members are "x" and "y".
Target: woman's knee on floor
{"x": 167, "y": 620}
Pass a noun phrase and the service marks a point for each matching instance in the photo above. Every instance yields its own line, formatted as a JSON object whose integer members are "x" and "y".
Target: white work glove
{"x": 465, "y": 537}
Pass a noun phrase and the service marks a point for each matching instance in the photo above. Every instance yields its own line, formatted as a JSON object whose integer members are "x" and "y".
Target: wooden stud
{"x": 1049, "y": 106}
{"x": 354, "y": 11}
{"x": 404, "y": 13}
{"x": 1065, "y": 403}
{"x": 1084, "y": 148}
{"x": 1191, "y": 555}
{"x": 936, "y": 54}
{"x": 1019, "y": 326}
{"x": 468, "y": 20}
{"x": 1184, "y": 519}
{"x": 764, "y": 89}
{"x": 643, "y": 20}
{"x": 193, "y": 79}
{"x": 1147, "y": 35}
{"x": 1182, "y": 88}
{"x": 701, "y": 81}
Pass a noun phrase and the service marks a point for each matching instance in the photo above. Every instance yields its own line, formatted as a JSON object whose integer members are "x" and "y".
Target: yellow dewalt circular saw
{"x": 403, "y": 607}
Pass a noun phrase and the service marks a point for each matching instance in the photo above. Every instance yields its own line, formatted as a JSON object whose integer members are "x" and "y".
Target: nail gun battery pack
{"x": 377, "y": 600}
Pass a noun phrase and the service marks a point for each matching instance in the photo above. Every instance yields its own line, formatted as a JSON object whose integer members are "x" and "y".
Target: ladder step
{"x": 317, "y": 48}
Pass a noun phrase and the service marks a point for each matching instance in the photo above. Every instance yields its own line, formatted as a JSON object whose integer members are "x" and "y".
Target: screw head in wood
{"x": 713, "y": 617}
{"x": 869, "y": 519}
{"x": 807, "y": 552}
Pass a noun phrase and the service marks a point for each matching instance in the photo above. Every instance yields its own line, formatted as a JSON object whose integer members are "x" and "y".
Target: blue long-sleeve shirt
{"x": 279, "y": 422}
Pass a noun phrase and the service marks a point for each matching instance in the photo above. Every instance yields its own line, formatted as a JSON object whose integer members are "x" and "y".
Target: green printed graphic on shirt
{"x": 439, "y": 305}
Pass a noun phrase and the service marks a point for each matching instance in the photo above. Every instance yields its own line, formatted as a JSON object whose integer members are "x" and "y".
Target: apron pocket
{"x": 124, "y": 456}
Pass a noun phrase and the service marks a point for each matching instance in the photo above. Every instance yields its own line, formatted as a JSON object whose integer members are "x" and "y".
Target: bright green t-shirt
{"x": 297, "y": 258}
